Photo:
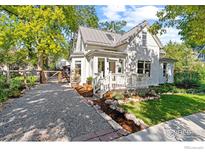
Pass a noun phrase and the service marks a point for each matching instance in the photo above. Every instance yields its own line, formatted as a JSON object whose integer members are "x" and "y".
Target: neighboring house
{"x": 115, "y": 61}
{"x": 200, "y": 55}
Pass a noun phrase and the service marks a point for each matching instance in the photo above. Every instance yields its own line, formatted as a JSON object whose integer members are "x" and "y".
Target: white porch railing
{"x": 115, "y": 81}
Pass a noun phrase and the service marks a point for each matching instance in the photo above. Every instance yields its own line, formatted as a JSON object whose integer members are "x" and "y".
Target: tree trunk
{"x": 40, "y": 68}
{"x": 25, "y": 79}
{"x": 7, "y": 73}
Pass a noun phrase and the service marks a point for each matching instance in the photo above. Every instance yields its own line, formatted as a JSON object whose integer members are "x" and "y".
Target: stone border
{"x": 115, "y": 132}
{"x": 107, "y": 118}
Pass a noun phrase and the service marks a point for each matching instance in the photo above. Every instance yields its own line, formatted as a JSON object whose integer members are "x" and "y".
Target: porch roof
{"x": 106, "y": 53}
{"x": 77, "y": 55}
{"x": 168, "y": 60}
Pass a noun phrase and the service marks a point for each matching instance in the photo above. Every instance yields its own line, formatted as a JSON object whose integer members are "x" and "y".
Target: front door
{"x": 112, "y": 66}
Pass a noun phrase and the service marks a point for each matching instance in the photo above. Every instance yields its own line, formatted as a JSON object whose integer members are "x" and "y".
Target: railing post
{"x": 110, "y": 80}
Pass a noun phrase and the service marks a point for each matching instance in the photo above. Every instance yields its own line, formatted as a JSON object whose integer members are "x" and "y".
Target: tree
{"x": 182, "y": 53}
{"x": 116, "y": 26}
{"x": 44, "y": 31}
{"x": 188, "y": 70}
{"x": 190, "y": 20}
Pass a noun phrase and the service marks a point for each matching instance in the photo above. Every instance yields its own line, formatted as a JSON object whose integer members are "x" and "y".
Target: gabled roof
{"x": 111, "y": 39}
{"x": 95, "y": 36}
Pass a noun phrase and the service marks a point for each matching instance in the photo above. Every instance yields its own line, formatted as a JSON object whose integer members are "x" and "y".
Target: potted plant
{"x": 89, "y": 80}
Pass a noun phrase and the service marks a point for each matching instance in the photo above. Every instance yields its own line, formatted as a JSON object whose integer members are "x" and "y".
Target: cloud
{"x": 136, "y": 14}
{"x": 132, "y": 14}
{"x": 112, "y": 12}
{"x": 170, "y": 35}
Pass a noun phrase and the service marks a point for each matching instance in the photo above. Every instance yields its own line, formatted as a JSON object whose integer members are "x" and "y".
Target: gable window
{"x": 144, "y": 39}
{"x": 164, "y": 69}
{"x": 144, "y": 67}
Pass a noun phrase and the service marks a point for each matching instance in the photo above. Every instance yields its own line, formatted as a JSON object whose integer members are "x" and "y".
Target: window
{"x": 144, "y": 39}
{"x": 120, "y": 67}
{"x": 144, "y": 67}
{"x": 164, "y": 69}
{"x": 78, "y": 67}
{"x": 140, "y": 67}
{"x": 147, "y": 68}
{"x": 109, "y": 36}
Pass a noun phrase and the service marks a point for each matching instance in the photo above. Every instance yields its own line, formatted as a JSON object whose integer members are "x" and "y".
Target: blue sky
{"x": 134, "y": 15}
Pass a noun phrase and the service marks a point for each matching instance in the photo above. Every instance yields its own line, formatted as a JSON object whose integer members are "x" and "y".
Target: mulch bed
{"x": 86, "y": 90}
{"x": 117, "y": 116}
{"x": 128, "y": 125}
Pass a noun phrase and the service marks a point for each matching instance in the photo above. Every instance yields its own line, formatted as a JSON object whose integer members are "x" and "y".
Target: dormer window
{"x": 144, "y": 39}
{"x": 109, "y": 36}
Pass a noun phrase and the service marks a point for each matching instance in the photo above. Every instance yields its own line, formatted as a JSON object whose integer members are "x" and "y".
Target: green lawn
{"x": 167, "y": 107}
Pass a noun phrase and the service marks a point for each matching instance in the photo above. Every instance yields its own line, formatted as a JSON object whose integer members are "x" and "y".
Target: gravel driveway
{"x": 49, "y": 112}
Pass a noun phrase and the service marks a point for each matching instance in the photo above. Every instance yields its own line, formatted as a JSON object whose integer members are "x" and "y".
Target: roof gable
{"x": 110, "y": 39}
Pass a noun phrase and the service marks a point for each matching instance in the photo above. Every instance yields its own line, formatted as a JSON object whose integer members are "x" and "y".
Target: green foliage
{"x": 116, "y": 26}
{"x": 172, "y": 88}
{"x": 188, "y": 70}
{"x": 14, "y": 87}
{"x": 3, "y": 88}
{"x": 187, "y": 79}
{"x": 188, "y": 19}
{"x": 182, "y": 53}
{"x": 168, "y": 107}
{"x": 16, "y": 84}
{"x": 164, "y": 88}
{"x": 30, "y": 33}
{"x": 90, "y": 78}
{"x": 31, "y": 80}
{"x": 118, "y": 95}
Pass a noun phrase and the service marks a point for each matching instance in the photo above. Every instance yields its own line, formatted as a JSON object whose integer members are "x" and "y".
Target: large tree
{"x": 190, "y": 21}
{"x": 43, "y": 31}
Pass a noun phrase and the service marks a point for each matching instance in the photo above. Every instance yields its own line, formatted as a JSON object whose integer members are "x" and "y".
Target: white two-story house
{"x": 129, "y": 60}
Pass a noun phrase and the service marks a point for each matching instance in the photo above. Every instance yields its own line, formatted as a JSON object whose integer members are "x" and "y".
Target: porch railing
{"x": 110, "y": 82}
{"x": 118, "y": 81}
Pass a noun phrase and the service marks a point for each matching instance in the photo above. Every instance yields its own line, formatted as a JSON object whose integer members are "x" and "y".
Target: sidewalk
{"x": 189, "y": 128}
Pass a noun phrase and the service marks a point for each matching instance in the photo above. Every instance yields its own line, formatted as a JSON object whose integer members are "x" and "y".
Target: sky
{"x": 134, "y": 15}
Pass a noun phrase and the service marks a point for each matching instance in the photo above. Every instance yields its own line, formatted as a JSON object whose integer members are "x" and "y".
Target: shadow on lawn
{"x": 167, "y": 108}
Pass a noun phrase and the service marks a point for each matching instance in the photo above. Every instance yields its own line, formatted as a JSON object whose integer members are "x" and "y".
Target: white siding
{"x": 136, "y": 51}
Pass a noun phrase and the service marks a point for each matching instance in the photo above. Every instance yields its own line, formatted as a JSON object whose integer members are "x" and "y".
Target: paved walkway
{"x": 50, "y": 112}
{"x": 189, "y": 128}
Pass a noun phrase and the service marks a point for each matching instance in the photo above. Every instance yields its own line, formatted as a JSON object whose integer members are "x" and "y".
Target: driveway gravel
{"x": 49, "y": 112}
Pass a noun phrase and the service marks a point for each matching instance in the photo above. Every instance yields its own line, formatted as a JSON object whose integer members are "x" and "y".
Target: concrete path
{"x": 189, "y": 128}
{"x": 49, "y": 112}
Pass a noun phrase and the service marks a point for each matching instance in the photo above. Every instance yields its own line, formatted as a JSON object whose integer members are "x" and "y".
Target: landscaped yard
{"x": 167, "y": 107}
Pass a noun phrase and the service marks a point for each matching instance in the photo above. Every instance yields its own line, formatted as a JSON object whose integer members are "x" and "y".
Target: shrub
{"x": 90, "y": 79}
{"x": 31, "y": 80}
{"x": 118, "y": 96}
{"x": 16, "y": 83}
{"x": 187, "y": 79}
{"x": 3, "y": 88}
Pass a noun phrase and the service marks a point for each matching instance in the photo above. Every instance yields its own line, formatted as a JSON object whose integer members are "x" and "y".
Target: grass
{"x": 167, "y": 107}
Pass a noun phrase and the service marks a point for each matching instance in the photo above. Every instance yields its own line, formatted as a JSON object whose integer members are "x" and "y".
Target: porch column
{"x": 106, "y": 66}
{"x": 95, "y": 65}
